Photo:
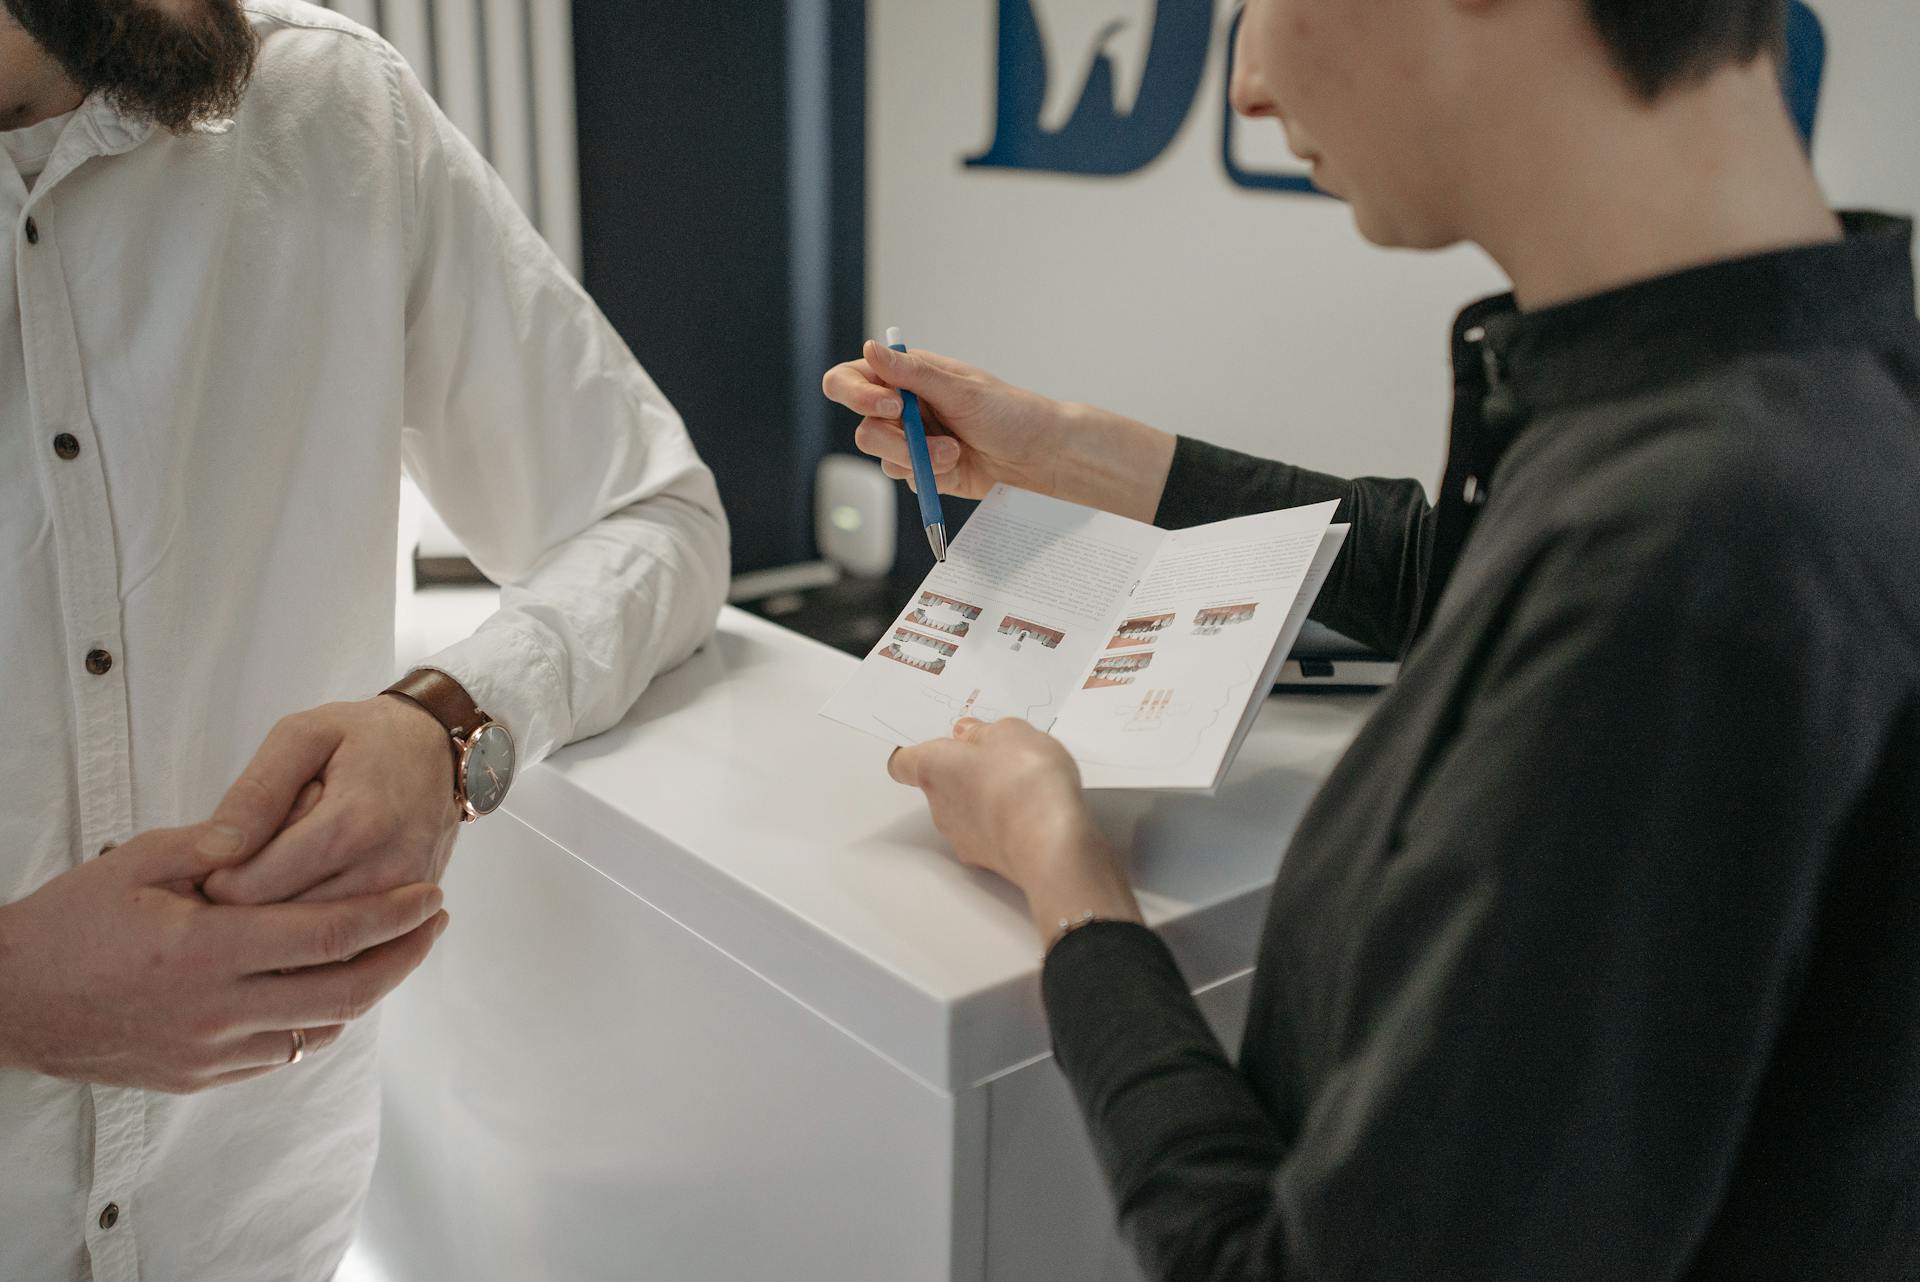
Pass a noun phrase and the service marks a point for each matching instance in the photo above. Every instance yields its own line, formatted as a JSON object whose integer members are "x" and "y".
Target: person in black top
{"x": 1598, "y": 956}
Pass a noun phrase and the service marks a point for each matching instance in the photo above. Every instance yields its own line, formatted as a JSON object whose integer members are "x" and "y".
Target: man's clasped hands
{"x": 187, "y": 958}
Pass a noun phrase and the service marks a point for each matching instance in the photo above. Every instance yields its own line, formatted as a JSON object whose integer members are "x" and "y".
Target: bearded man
{"x": 254, "y": 271}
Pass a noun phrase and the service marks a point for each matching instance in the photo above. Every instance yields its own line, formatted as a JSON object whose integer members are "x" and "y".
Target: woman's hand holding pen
{"x": 1008, "y": 797}
{"x": 980, "y": 431}
{"x": 983, "y": 432}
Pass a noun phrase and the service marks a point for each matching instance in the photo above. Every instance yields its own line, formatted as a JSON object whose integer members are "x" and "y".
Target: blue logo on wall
{"x": 1099, "y": 138}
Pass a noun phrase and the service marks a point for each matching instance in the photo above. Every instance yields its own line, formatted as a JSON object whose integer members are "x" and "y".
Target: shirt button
{"x": 1473, "y": 492}
{"x": 99, "y": 662}
{"x": 109, "y": 846}
{"x": 67, "y": 445}
{"x": 33, "y": 232}
{"x": 110, "y": 1216}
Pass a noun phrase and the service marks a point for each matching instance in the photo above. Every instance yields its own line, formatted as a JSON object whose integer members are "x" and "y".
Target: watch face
{"x": 489, "y": 768}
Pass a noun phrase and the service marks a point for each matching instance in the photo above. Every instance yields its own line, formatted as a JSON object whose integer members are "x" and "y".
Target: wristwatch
{"x": 483, "y": 751}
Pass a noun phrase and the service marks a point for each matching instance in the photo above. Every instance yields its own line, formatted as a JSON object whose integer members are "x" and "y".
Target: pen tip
{"x": 937, "y": 539}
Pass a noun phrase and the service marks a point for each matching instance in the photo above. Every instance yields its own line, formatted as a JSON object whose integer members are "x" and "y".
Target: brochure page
{"x": 1165, "y": 700}
{"x": 1006, "y": 626}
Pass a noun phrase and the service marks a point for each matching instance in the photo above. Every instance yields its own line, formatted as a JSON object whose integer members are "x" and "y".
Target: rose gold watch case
{"x": 465, "y": 748}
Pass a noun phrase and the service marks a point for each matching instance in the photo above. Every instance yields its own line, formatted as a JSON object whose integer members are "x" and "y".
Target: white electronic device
{"x": 854, "y": 519}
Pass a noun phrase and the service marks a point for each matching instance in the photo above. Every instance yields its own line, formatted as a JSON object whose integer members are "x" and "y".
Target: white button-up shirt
{"x": 224, "y": 347}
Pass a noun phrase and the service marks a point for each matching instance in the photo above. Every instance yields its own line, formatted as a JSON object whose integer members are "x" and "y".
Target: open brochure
{"x": 1146, "y": 652}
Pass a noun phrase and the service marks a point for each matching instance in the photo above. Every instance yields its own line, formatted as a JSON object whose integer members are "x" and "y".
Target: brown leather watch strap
{"x": 442, "y": 696}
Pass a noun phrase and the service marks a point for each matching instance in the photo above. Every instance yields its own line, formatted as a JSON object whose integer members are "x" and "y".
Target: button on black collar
{"x": 67, "y": 445}
{"x": 1471, "y": 332}
{"x": 99, "y": 662}
{"x": 1501, "y": 408}
{"x": 33, "y": 232}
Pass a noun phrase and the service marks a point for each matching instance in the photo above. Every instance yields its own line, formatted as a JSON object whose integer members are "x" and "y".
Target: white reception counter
{"x": 717, "y": 1006}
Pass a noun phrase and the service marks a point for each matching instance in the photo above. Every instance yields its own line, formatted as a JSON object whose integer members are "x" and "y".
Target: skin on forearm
{"x": 1079, "y": 874}
{"x": 1112, "y": 462}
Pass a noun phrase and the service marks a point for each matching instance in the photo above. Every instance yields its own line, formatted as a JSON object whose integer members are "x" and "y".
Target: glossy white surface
{"x": 724, "y": 801}
{"x": 716, "y": 1004}
{"x": 577, "y": 1090}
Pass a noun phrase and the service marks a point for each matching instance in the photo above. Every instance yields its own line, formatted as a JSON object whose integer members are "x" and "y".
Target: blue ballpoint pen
{"x": 929, "y": 490}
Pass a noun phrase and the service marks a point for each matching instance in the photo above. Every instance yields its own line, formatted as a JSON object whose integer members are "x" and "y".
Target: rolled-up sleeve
{"x": 550, "y": 453}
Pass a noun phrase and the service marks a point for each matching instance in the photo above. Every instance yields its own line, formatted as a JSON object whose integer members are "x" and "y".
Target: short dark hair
{"x": 1658, "y": 44}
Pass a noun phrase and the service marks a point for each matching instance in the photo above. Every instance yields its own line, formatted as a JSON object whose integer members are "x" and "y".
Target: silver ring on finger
{"x": 299, "y": 1050}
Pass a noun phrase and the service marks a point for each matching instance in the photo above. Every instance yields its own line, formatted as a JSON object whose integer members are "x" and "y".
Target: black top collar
{"x": 1859, "y": 290}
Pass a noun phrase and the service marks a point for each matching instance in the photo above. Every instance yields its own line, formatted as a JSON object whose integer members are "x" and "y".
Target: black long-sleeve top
{"x": 1598, "y": 956}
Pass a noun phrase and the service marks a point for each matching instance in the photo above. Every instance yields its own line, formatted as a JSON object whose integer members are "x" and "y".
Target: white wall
{"x": 1867, "y": 148}
{"x": 1253, "y": 318}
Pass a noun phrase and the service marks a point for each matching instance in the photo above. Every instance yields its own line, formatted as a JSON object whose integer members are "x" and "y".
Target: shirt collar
{"x": 113, "y": 130}
{"x": 1858, "y": 290}
{"x": 97, "y": 128}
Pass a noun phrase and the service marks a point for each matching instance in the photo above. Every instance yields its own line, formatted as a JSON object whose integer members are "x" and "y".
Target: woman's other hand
{"x": 1009, "y": 799}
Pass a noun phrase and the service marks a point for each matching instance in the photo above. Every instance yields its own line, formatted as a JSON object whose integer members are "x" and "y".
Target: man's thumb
{"x": 164, "y": 855}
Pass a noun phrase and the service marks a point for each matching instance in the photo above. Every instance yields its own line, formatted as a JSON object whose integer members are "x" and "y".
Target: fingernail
{"x": 889, "y": 408}
{"x": 944, "y": 451}
{"x": 446, "y": 919}
{"x": 221, "y": 841}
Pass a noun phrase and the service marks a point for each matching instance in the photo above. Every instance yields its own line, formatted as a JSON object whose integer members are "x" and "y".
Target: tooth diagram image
{"x": 1118, "y": 669}
{"x": 1141, "y": 630}
{"x": 1024, "y": 630}
{"x": 926, "y": 653}
{"x": 1209, "y": 621}
{"x": 943, "y": 614}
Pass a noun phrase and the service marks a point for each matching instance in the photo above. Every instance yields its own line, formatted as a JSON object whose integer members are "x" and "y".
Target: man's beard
{"x": 176, "y": 72}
